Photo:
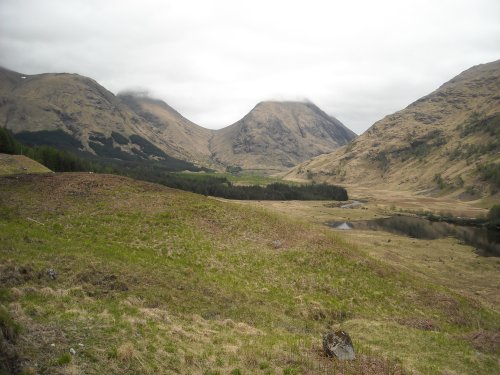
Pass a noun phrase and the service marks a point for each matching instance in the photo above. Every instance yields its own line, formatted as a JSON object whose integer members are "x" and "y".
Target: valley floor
{"x": 446, "y": 261}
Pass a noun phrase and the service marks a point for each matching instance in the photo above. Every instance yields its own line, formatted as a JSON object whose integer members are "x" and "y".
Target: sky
{"x": 213, "y": 61}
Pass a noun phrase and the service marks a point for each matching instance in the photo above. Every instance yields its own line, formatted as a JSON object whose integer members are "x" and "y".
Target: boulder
{"x": 339, "y": 345}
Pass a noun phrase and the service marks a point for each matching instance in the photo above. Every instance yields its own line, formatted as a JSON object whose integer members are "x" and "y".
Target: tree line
{"x": 54, "y": 159}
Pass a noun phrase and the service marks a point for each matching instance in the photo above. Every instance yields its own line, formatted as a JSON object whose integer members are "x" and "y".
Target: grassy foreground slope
{"x": 153, "y": 280}
{"x": 20, "y": 164}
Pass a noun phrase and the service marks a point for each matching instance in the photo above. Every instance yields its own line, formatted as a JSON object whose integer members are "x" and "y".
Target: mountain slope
{"x": 72, "y": 112}
{"x": 441, "y": 142}
{"x": 183, "y": 138}
{"x": 278, "y": 135}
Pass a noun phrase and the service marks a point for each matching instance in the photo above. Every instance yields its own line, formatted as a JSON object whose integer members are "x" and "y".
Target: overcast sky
{"x": 214, "y": 60}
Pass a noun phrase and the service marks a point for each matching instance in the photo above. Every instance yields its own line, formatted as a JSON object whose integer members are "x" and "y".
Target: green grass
{"x": 242, "y": 178}
{"x": 152, "y": 280}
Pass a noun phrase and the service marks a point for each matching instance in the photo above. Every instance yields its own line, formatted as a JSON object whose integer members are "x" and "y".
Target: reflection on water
{"x": 486, "y": 241}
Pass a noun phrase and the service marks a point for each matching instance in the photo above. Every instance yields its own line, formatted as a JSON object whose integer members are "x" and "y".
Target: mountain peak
{"x": 276, "y": 135}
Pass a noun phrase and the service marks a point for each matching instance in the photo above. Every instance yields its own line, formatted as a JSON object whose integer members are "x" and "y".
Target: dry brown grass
{"x": 126, "y": 352}
{"x": 426, "y": 324}
{"x": 314, "y": 361}
{"x": 485, "y": 341}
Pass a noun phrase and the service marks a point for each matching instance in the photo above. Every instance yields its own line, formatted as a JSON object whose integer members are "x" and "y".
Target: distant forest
{"x": 222, "y": 187}
{"x": 162, "y": 173}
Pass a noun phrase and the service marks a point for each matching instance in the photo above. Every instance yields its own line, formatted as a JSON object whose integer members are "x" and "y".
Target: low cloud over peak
{"x": 214, "y": 61}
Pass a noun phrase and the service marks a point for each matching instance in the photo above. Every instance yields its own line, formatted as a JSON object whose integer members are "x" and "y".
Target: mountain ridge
{"x": 89, "y": 118}
{"x": 437, "y": 144}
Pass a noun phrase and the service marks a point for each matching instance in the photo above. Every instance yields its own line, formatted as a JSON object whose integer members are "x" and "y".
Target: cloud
{"x": 214, "y": 60}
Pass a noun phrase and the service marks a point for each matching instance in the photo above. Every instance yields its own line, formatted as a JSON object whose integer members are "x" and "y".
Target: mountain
{"x": 445, "y": 142}
{"x": 75, "y": 113}
{"x": 278, "y": 135}
{"x": 175, "y": 134}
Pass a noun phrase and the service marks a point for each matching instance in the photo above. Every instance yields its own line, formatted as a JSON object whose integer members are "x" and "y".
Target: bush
{"x": 494, "y": 213}
{"x": 383, "y": 161}
{"x": 441, "y": 183}
{"x": 478, "y": 122}
{"x": 233, "y": 169}
{"x": 9, "y": 329}
{"x": 63, "y": 360}
{"x": 490, "y": 172}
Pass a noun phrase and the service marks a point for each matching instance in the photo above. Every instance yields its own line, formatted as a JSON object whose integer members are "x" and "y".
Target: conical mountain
{"x": 278, "y": 135}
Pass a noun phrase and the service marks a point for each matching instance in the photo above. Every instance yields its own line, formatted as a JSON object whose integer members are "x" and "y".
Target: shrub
{"x": 478, "y": 122}
{"x": 382, "y": 160}
{"x": 494, "y": 213}
{"x": 233, "y": 169}
{"x": 438, "y": 179}
{"x": 63, "y": 360}
{"x": 8, "y": 327}
{"x": 490, "y": 172}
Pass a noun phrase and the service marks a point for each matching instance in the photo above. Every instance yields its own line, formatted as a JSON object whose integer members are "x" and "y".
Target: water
{"x": 343, "y": 226}
{"x": 353, "y": 204}
{"x": 487, "y": 242}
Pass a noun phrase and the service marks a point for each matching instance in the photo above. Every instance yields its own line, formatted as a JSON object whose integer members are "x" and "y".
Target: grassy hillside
{"x": 446, "y": 143}
{"x": 154, "y": 280}
{"x": 19, "y": 164}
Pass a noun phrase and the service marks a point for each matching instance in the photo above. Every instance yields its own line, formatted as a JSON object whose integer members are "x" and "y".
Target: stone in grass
{"x": 338, "y": 344}
{"x": 52, "y": 274}
{"x": 277, "y": 244}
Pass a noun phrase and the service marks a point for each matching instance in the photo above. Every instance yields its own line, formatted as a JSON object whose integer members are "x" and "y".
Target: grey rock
{"x": 338, "y": 344}
{"x": 52, "y": 274}
{"x": 277, "y": 244}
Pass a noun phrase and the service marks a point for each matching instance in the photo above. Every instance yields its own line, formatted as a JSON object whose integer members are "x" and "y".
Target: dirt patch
{"x": 485, "y": 341}
{"x": 97, "y": 282}
{"x": 424, "y": 324}
{"x": 10, "y": 361}
{"x": 363, "y": 364}
{"x": 448, "y": 305}
{"x": 14, "y": 275}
